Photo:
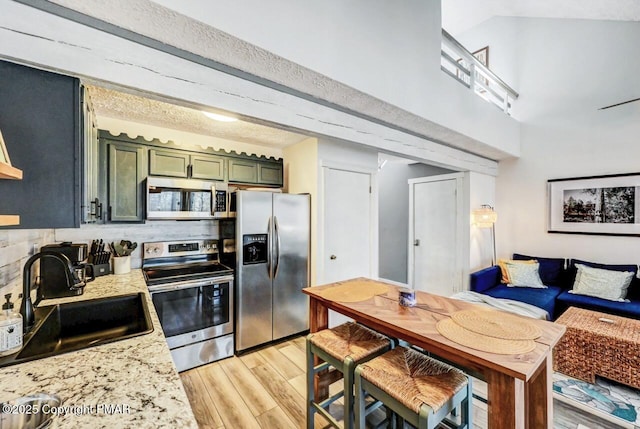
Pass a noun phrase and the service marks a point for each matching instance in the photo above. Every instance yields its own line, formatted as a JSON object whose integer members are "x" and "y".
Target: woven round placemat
{"x": 353, "y": 291}
{"x": 448, "y": 328}
{"x": 497, "y": 324}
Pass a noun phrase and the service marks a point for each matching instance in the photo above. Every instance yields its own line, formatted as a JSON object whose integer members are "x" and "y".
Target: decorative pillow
{"x": 633, "y": 292}
{"x": 524, "y": 275}
{"x": 502, "y": 263}
{"x": 605, "y": 284}
{"x": 552, "y": 270}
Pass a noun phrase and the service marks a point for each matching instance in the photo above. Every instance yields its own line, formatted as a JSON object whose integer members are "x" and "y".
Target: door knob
{"x": 416, "y": 242}
{"x": 332, "y": 257}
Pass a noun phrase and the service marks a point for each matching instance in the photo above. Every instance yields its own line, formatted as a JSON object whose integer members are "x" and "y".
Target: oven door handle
{"x": 180, "y": 286}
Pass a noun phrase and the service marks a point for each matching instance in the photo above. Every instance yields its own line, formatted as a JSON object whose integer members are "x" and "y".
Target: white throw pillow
{"x": 524, "y": 275}
{"x": 600, "y": 283}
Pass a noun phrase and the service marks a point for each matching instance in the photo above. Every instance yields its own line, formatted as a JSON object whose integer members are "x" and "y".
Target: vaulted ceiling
{"x": 461, "y": 15}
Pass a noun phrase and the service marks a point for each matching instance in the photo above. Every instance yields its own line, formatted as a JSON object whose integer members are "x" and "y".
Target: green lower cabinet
{"x": 126, "y": 182}
{"x": 207, "y": 167}
{"x": 242, "y": 171}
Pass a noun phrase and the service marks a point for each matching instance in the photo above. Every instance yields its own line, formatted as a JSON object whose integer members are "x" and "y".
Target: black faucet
{"x": 26, "y": 307}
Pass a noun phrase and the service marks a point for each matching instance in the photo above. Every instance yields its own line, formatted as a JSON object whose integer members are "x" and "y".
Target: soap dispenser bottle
{"x": 10, "y": 328}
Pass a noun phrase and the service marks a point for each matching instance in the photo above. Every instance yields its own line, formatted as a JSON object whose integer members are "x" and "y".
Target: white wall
{"x": 502, "y": 36}
{"x": 345, "y": 153}
{"x": 376, "y": 46}
{"x": 566, "y": 70}
{"x": 393, "y": 216}
{"x": 301, "y": 177}
{"x": 482, "y": 190}
{"x": 390, "y": 50}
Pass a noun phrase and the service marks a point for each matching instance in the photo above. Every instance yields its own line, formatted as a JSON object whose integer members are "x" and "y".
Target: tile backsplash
{"x": 17, "y": 245}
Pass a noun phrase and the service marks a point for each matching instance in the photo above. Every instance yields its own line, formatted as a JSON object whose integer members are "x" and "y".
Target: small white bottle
{"x": 10, "y": 328}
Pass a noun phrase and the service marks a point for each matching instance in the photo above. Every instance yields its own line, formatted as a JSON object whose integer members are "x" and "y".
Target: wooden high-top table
{"x": 519, "y": 387}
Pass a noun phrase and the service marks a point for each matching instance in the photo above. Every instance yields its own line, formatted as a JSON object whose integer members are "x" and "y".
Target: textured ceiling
{"x": 109, "y": 103}
{"x": 461, "y": 15}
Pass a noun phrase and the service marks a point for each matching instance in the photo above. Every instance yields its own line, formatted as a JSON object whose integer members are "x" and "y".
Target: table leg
{"x": 318, "y": 315}
{"x": 318, "y": 320}
{"x": 539, "y": 397}
{"x": 502, "y": 402}
{"x": 515, "y": 404}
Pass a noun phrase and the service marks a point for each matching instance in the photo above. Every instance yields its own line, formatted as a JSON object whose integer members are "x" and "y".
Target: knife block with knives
{"x": 99, "y": 258}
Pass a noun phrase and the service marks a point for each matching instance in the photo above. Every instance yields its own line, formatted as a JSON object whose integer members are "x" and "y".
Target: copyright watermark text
{"x": 63, "y": 410}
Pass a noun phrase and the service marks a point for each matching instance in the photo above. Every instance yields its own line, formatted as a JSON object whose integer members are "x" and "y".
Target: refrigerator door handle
{"x": 269, "y": 252}
{"x": 276, "y": 235}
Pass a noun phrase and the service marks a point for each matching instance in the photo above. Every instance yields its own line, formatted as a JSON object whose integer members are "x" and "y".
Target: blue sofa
{"x": 558, "y": 275}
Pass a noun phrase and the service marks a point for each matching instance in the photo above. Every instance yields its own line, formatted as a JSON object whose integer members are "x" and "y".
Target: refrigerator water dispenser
{"x": 254, "y": 249}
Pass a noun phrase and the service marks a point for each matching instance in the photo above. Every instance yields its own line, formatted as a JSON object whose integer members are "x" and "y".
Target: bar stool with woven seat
{"x": 419, "y": 389}
{"x": 341, "y": 347}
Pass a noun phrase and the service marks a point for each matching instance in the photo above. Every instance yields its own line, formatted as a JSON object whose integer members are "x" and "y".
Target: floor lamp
{"x": 486, "y": 217}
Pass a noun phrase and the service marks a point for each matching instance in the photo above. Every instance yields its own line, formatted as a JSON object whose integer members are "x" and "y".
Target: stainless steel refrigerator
{"x": 272, "y": 266}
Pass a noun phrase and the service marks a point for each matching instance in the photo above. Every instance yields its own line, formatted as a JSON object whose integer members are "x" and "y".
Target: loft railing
{"x": 461, "y": 65}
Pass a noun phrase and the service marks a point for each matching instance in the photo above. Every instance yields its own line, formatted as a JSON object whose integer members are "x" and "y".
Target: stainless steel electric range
{"x": 193, "y": 295}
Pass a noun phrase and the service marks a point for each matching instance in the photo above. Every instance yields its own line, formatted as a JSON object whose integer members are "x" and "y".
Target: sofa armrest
{"x": 485, "y": 279}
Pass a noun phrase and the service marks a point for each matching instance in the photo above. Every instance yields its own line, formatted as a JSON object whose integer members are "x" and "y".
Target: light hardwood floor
{"x": 265, "y": 389}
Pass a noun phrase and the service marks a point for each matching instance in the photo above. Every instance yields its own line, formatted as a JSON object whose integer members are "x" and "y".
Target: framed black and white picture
{"x": 600, "y": 205}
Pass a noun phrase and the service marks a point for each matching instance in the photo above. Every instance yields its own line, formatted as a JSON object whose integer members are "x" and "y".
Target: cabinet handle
{"x": 332, "y": 257}
{"x": 96, "y": 209}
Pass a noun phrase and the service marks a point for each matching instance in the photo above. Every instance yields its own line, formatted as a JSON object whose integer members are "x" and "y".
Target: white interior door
{"x": 347, "y": 251}
{"x": 435, "y": 234}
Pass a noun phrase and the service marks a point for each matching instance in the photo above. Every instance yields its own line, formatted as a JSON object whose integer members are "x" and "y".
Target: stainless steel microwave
{"x": 171, "y": 198}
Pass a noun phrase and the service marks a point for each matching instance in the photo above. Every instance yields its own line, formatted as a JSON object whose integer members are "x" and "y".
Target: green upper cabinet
{"x": 177, "y": 163}
{"x": 207, "y": 167}
{"x": 270, "y": 173}
{"x": 255, "y": 172}
{"x": 172, "y": 163}
{"x": 126, "y": 166}
{"x": 243, "y": 171}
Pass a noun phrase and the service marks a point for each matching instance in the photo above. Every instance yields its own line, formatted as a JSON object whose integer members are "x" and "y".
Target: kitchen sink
{"x": 74, "y": 326}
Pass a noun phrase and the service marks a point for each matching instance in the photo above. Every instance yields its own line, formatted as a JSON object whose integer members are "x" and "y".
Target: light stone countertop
{"x": 136, "y": 374}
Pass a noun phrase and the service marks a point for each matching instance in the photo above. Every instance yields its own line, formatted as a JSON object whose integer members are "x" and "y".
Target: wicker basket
{"x": 591, "y": 347}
